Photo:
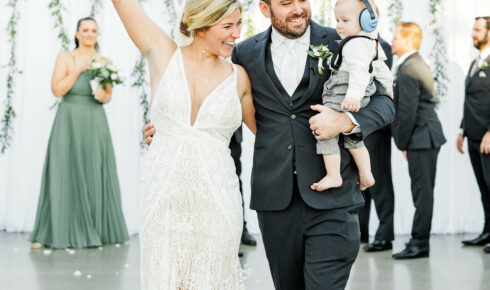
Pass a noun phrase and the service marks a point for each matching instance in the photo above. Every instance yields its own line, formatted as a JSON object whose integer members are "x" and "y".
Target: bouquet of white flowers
{"x": 105, "y": 75}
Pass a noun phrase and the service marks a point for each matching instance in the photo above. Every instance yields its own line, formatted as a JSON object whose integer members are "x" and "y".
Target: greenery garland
{"x": 171, "y": 13}
{"x": 141, "y": 83}
{"x": 395, "y": 12}
{"x": 9, "y": 114}
{"x": 439, "y": 52}
{"x": 56, "y": 11}
{"x": 95, "y": 8}
{"x": 325, "y": 17}
{"x": 251, "y": 31}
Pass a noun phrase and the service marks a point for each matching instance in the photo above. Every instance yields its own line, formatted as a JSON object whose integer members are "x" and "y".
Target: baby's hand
{"x": 351, "y": 105}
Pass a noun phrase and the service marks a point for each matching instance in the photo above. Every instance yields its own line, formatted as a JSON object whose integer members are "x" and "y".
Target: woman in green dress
{"x": 80, "y": 203}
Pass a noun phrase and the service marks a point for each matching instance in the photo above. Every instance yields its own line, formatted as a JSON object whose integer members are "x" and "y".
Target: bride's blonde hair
{"x": 199, "y": 15}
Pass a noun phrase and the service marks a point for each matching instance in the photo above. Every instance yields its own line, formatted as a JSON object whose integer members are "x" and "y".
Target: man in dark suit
{"x": 311, "y": 238}
{"x": 236, "y": 153}
{"x": 417, "y": 132}
{"x": 379, "y": 147}
{"x": 476, "y": 122}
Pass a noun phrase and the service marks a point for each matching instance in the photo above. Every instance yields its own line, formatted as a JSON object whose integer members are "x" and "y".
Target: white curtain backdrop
{"x": 457, "y": 203}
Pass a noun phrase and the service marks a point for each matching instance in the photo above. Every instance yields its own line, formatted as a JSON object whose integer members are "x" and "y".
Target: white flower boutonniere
{"x": 322, "y": 53}
{"x": 484, "y": 65}
{"x": 482, "y": 68}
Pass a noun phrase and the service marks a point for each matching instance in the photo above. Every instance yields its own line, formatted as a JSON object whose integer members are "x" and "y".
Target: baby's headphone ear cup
{"x": 368, "y": 24}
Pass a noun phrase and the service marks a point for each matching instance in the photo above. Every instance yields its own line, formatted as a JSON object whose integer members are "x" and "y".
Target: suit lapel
{"x": 260, "y": 67}
{"x": 318, "y": 37}
{"x": 469, "y": 76}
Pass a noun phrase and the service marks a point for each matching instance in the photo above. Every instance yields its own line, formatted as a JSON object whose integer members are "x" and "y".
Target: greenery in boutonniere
{"x": 322, "y": 53}
{"x": 484, "y": 65}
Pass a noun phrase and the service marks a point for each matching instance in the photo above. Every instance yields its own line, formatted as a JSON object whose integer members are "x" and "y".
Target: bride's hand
{"x": 149, "y": 132}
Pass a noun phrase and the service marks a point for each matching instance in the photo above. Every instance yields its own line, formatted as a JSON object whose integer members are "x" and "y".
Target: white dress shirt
{"x": 402, "y": 58}
{"x": 479, "y": 60}
{"x": 289, "y": 58}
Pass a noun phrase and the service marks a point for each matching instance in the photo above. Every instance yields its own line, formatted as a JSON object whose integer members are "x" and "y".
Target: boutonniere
{"x": 484, "y": 65}
{"x": 322, "y": 53}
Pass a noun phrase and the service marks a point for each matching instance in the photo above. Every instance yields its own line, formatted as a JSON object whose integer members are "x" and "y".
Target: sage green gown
{"x": 80, "y": 203}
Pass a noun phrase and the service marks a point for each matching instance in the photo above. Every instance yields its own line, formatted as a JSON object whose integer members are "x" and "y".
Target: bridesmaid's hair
{"x": 79, "y": 23}
{"x": 199, "y": 15}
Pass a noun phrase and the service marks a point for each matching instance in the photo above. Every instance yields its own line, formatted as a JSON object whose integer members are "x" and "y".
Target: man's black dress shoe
{"x": 481, "y": 240}
{"x": 412, "y": 252}
{"x": 378, "y": 245}
{"x": 487, "y": 249}
{"x": 247, "y": 238}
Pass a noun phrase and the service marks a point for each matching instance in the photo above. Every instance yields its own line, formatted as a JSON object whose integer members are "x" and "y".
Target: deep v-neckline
{"x": 189, "y": 97}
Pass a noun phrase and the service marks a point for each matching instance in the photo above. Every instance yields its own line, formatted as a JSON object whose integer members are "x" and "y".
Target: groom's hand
{"x": 329, "y": 123}
{"x": 149, "y": 132}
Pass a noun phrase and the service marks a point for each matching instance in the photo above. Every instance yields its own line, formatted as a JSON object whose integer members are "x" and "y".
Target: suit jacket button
{"x": 290, "y": 104}
{"x": 293, "y": 116}
{"x": 290, "y": 147}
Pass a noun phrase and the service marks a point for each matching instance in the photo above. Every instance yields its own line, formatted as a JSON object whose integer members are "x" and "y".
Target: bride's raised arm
{"x": 150, "y": 39}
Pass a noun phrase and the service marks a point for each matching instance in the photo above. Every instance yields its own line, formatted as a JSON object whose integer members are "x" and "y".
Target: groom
{"x": 311, "y": 238}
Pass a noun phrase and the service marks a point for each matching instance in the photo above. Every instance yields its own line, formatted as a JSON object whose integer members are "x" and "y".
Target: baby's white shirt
{"x": 357, "y": 54}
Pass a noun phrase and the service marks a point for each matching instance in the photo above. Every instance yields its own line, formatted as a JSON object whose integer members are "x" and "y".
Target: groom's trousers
{"x": 308, "y": 248}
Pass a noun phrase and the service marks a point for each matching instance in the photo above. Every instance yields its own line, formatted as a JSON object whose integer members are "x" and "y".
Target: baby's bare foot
{"x": 366, "y": 181}
{"x": 327, "y": 182}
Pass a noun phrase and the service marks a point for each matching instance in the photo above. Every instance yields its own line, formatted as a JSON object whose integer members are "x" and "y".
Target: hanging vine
{"x": 395, "y": 12}
{"x": 56, "y": 11}
{"x": 247, "y": 10}
{"x": 171, "y": 14}
{"x": 438, "y": 54}
{"x": 140, "y": 82}
{"x": 95, "y": 8}
{"x": 9, "y": 114}
{"x": 325, "y": 17}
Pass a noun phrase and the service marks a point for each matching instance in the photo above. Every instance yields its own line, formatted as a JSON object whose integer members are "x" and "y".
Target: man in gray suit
{"x": 311, "y": 238}
{"x": 476, "y": 122}
{"x": 417, "y": 132}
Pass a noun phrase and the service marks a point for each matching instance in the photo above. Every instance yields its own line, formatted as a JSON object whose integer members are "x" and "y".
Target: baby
{"x": 351, "y": 85}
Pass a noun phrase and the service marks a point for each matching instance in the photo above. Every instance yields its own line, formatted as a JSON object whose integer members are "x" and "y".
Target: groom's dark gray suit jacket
{"x": 284, "y": 142}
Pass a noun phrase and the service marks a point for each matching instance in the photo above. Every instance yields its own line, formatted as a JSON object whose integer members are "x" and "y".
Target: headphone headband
{"x": 370, "y": 9}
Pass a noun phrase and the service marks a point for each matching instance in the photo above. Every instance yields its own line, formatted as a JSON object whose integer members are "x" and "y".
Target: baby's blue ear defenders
{"x": 368, "y": 18}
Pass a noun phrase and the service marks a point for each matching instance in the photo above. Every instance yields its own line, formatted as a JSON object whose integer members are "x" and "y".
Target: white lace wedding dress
{"x": 191, "y": 204}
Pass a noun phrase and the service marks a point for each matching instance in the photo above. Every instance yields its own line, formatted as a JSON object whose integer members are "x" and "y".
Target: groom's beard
{"x": 282, "y": 27}
{"x": 481, "y": 42}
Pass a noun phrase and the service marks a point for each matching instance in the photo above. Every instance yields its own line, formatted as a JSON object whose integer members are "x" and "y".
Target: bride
{"x": 191, "y": 209}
